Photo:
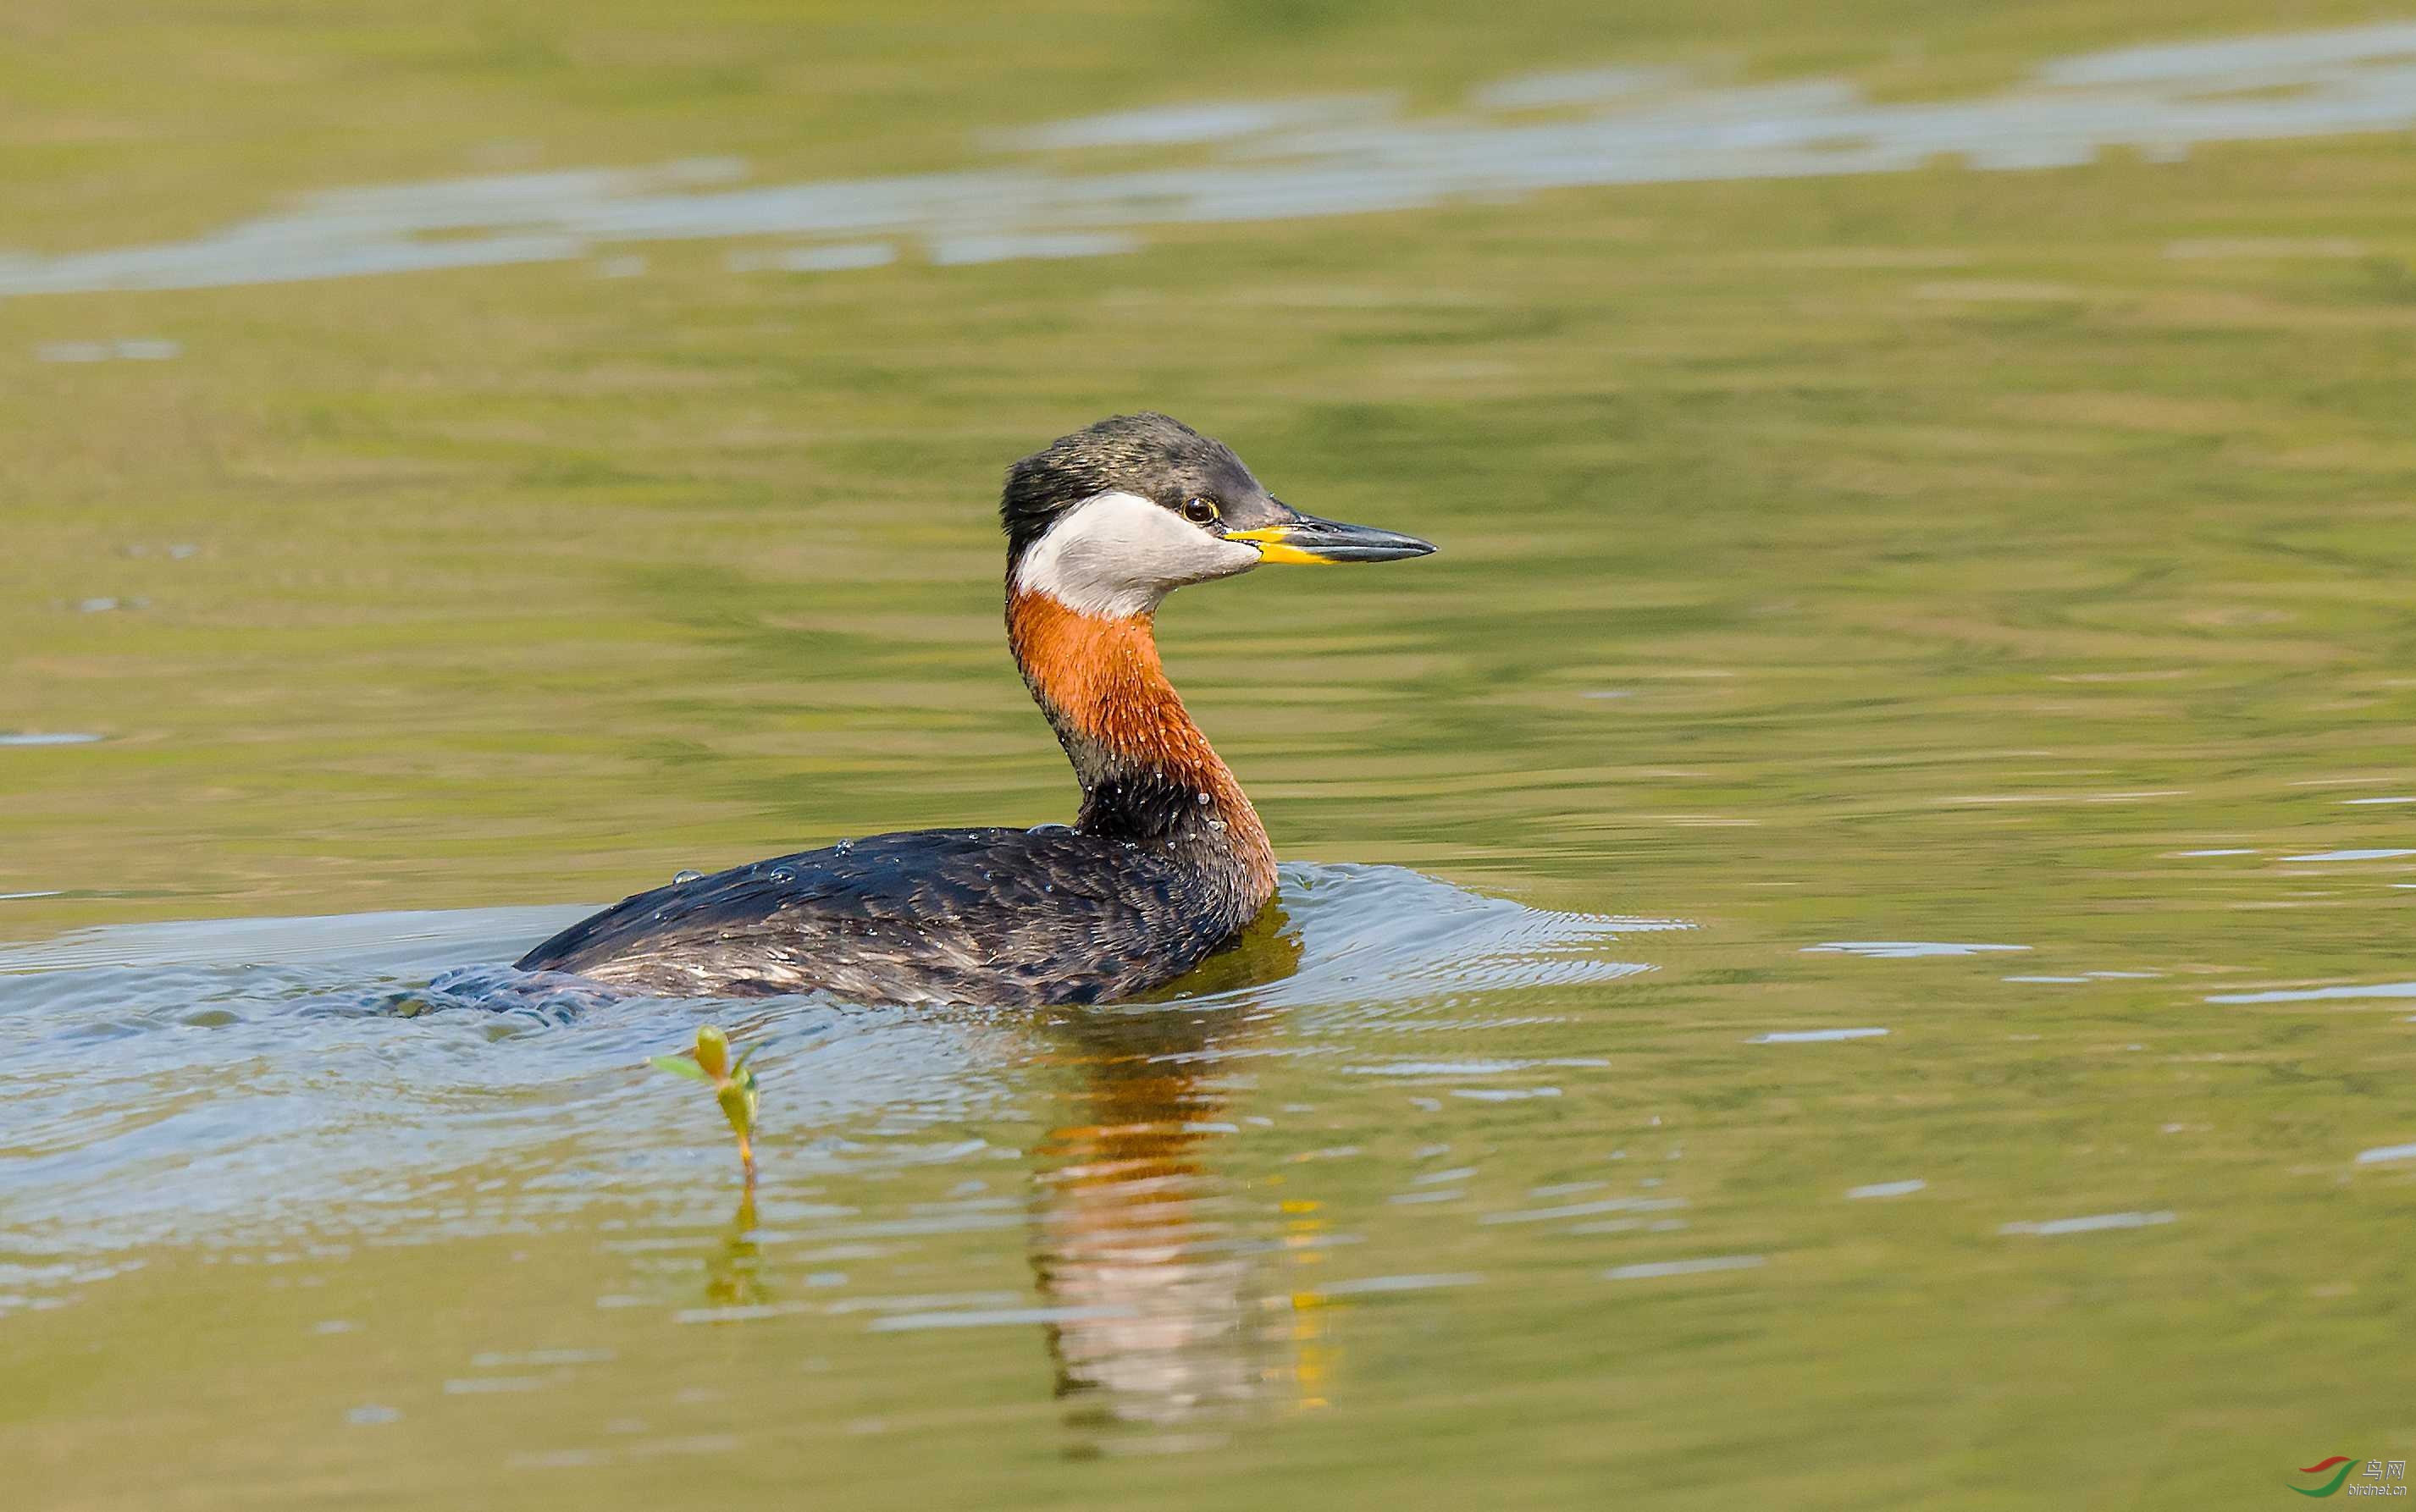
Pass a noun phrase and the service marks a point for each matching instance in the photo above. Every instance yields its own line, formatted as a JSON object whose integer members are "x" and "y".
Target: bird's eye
{"x": 1200, "y": 511}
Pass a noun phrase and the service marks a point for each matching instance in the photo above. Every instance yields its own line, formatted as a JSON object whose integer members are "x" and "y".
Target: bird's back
{"x": 992, "y": 916}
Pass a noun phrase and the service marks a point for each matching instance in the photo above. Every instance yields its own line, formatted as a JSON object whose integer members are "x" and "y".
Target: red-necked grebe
{"x": 1167, "y": 859}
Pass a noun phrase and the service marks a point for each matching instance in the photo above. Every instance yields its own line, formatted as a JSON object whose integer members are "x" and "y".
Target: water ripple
{"x": 1308, "y": 157}
{"x": 221, "y": 1081}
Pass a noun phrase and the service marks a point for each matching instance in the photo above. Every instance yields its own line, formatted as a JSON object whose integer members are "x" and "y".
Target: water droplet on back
{"x": 1205, "y": 799}
{"x": 843, "y": 847}
{"x": 684, "y": 879}
{"x": 781, "y": 874}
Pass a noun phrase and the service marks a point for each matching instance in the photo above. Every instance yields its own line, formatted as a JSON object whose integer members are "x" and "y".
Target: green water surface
{"x": 1948, "y": 557}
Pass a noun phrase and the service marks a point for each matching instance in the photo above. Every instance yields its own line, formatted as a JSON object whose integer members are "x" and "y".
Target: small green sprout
{"x": 733, "y": 1086}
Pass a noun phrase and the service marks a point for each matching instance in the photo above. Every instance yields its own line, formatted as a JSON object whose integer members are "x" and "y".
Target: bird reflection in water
{"x": 1166, "y": 1315}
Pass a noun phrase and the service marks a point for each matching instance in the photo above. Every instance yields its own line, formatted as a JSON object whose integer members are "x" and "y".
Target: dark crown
{"x": 1153, "y": 455}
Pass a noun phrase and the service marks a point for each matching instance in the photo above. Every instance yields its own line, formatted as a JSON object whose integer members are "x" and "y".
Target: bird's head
{"x": 1113, "y": 518}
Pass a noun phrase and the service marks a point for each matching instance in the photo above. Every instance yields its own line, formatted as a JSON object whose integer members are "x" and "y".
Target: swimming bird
{"x": 1165, "y": 860}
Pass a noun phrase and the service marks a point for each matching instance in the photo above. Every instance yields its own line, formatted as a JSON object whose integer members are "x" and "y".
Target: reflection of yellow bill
{"x": 1312, "y": 1364}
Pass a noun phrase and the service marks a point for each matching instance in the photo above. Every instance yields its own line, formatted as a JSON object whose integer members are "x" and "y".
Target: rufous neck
{"x": 1148, "y": 774}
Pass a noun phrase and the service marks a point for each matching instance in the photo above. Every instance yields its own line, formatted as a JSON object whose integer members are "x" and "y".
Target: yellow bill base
{"x": 1273, "y": 547}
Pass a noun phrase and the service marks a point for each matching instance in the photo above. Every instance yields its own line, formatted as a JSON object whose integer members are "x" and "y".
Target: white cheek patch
{"x": 1117, "y": 555}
